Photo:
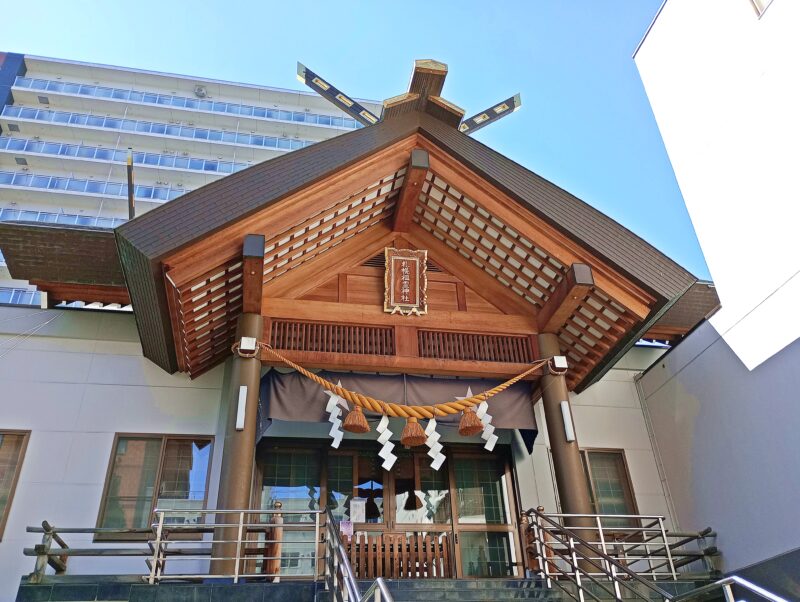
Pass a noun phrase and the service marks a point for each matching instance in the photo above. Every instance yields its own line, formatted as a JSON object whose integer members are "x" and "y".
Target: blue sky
{"x": 585, "y": 123}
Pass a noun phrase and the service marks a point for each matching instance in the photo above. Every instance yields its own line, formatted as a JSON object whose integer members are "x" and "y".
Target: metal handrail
{"x": 377, "y": 591}
{"x": 597, "y": 553}
{"x": 726, "y": 586}
{"x": 382, "y": 593}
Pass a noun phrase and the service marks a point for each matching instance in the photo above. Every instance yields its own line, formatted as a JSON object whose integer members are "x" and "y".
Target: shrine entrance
{"x": 410, "y": 522}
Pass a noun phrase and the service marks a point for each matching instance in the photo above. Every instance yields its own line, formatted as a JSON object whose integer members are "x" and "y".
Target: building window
{"x": 761, "y": 6}
{"x": 610, "y": 485}
{"x": 12, "y": 450}
{"x": 155, "y": 471}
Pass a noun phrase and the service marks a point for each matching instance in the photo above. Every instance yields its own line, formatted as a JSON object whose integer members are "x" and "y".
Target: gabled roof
{"x": 144, "y": 243}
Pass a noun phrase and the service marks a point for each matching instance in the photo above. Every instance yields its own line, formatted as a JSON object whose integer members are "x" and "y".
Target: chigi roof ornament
{"x": 424, "y": 94}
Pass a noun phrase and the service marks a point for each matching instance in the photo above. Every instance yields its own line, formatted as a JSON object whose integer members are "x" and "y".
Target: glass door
{"x": 292, "y": 477}
{"x": 421, "y": 514}
{"x": 485, "y": 525}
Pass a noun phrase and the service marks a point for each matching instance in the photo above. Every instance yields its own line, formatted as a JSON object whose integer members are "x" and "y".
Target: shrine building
{"x": 392, "y": 354}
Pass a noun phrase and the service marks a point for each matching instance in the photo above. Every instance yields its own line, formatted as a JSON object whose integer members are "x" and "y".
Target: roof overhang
{"x": 487, "y": 218}
{"x": 70, "y": 263}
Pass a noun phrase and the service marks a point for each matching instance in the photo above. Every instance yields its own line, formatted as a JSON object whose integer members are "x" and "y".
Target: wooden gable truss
{"x": 499, "y": 276}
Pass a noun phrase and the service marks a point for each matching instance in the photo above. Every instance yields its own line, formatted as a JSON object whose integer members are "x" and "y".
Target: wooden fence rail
{"x": 400, "y": 556}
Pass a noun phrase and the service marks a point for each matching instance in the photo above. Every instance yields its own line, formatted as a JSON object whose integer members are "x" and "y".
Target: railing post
{"x": 156, "y": 549}
{"x": 574, "y": 556}
{"x": 541, "y": 548}
{"x": 727, "y": 591}
{"x": 610, "y": 568}
{"x": 316, "y": 545}
{"x": 666, "y": 547}
{"x": 277, "y": 546}
{"x": 44, "y": 553}
{"x": 238, "y": 548}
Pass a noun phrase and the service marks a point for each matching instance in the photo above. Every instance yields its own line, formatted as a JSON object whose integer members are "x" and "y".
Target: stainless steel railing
{"x": 241, "y": 544}
{"x": 564, "y": 555}
{"x": 727, "y": 587}
{"x": 339, "y": 576}
{"x": 233, "y": 544}
{"x": 642, "y": 543}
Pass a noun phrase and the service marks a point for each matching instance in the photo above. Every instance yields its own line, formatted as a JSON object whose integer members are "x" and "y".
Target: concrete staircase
{"x": 105, "y": 588}
{"x": 490, "y": 590}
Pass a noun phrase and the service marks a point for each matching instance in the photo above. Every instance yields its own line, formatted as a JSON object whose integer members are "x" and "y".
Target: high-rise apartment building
{"x": 66, "y": 128}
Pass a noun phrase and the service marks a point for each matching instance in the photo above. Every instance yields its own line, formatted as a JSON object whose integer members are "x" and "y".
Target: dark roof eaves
{"x": 673, "y": 279}
{"x": 149, "y": 231}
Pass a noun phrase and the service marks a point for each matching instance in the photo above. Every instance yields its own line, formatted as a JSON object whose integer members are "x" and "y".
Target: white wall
{"x": 606, "y": 415}
{"x": 76, "y": 382}
{"x": 724, "y": 90}
{"x": 728, "y": 438}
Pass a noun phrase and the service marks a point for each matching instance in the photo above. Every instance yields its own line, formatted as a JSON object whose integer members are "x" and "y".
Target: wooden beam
{"x": 203, "y": 255}
{"x": 427, "y": 78}
{"x": 353, "y": 251}
{"x": 566, "y": 298}
{"x": 253, "y": 273}
{"x": 556, "y": 243}
{"x": 473, "y": 277}
{"x": 373, "y": 315}
{"x": 412, "y": 185}
{"x": 90, "y": 293}
{"x": 390, "y": 363}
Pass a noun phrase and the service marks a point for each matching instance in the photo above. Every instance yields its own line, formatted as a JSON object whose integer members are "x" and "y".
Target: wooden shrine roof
{"x": 510, "y": 255}
{"x": 698, "y": 303}
{"x": 470, "y": 200}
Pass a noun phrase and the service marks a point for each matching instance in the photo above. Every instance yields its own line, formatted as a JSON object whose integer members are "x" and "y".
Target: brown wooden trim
{"x": 26, "y": 435}
{"x": 198, "y": 258}
{"x": 341, "y": 288}
{"x": 350, "y": 252}
{"x": 474, "y": 277}
{"x": 398, "y": 364}
{"x": 178, "y": 333}
{"x": 164, "y": 437}
{"x": 252, "y": 273}
{"x": 373, "y": 315}
{"x": 565, "y": 299}
{"x": 90, "y": 293}
{"x": 666, "y": 333}
{"x": 557, "y": 244}
{"x": 627, "y": 485}
{"x": 412, "y": 186}
{"x": 461, "y": 296}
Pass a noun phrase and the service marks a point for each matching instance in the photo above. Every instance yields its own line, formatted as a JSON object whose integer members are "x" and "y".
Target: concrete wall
{"x": 75, "y": 378}
{"x": 606, "y": 415}
{"x": 728, "y": 439}
{"x": 79, "y": 379}
{"x": 723, "y": 86}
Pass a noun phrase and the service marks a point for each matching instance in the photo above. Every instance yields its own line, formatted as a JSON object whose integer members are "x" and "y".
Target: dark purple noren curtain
{"x": 293, "y": 397}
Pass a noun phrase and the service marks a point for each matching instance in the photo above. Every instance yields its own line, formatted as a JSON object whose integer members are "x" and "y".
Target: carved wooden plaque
{"x": 406, "y": 281}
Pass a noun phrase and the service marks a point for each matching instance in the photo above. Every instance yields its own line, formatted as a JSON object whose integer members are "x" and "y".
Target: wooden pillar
{"x": 573, "y": 489}
{"x": 238, "y": 456}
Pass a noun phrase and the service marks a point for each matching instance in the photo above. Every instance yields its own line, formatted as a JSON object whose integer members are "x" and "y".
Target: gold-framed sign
{"x": 406, "y": 281}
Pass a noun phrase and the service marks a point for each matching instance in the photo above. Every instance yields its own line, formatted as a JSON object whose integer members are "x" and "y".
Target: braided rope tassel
{"x": 398, "y": 410}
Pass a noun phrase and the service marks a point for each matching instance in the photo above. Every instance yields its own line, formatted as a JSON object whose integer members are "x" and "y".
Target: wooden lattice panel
{"x": 467, "y": 227}
{"x": 592, "y": 331}
{"x": 292, "y": 335}
{"x": 207, "y": 310}
{"x": 439, "y": 344}
{"x": 330, "y": 227}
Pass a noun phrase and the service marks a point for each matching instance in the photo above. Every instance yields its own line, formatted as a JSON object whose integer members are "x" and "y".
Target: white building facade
{"x": 99, "y": 388}
{"x": 721, "y": 77}
{"x": 66, "y": 128}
